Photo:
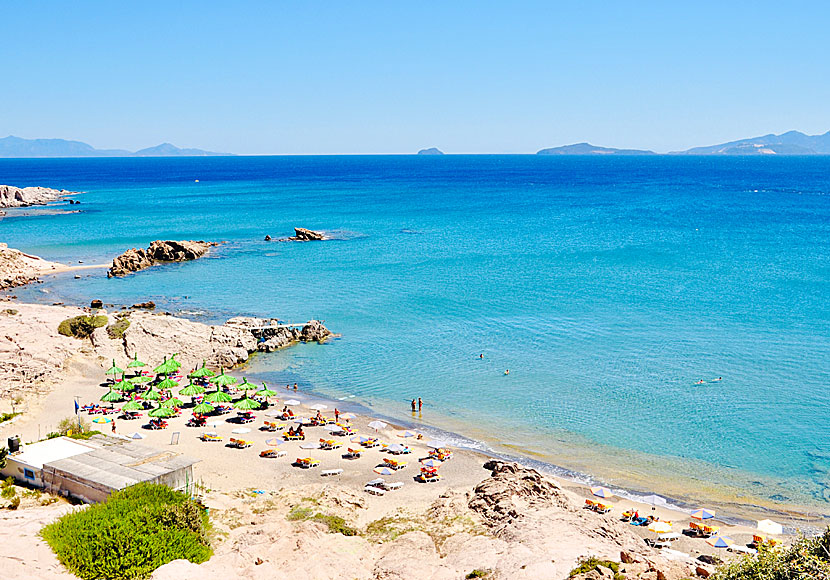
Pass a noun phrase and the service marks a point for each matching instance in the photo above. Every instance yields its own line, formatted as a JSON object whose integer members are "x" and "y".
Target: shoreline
{"x": 734, "y": 504}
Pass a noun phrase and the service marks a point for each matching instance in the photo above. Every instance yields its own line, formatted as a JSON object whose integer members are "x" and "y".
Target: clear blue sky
{"x": 393, "y": 77}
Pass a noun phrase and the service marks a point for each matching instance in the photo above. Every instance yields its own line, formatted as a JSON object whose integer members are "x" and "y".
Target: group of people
{"x": 299, "y": 431}
{"x": 417, "y": 405}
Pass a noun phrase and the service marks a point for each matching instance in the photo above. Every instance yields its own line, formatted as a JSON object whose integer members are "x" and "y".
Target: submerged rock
{"x": 136, "y": 259}
{"x": 304, "y": 235}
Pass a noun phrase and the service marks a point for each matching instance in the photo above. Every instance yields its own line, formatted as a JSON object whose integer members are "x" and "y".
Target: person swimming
{"x": 717, "y": 379}
{"x": 507, "y": 371}
{"x": 700, "y": 382}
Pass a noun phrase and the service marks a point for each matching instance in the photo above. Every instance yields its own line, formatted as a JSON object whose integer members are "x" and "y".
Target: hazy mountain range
{"x": 16, "y": 147}
{"x": 790, "y": 143}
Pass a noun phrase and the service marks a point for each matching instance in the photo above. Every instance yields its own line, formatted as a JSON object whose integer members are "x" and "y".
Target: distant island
{"x": 790, "y": 143}
{"x": 17, "y": 147}
{"x": 431, "y": 151}
{"x": 588, "y": 149}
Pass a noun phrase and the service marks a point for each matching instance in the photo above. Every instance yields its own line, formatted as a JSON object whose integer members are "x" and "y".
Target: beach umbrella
{"x": 201, "y": 373}
{"x": 135, "y": 363}
{"x": 126, "y": 386}
{"x": 396, "y": 448}
{"x": 218, "y": 397}
{"x": 361, "y": 439}
{"x": 176, "y": 364}
{"x": 162, "y": 412}
{"x": 140, "y": 379}
{"x": 384, "y": 471}
{"x": 332, "y": 428}
{"x": 310, "y": 446}
{"x": 377, "y": 425}
{"x": 407, "y": 433}
{"x": 216, "y": 423}
{"x": 273, "y": 414}
{"x": 432, "y": 462}
{"x": 292, "y": 402}
{"x": 102, "y": 420}
{"x": 114, "y": 370}
{"x": 203, "y": 408}
{"x": 151, "y": 395}
{"x": 770, "y": 527}
{"x": 192, "y": 390}
{"x": 435, "y": 444}
{"x": 659, "y": 527}
{"x": 241, "y": 430}
{"x": 720, "y": 541}
{"x": 223, "y": 380}
{"x": 348, "y": 416}
{"x": 132, "y": 406}
{"x": 167, "y": 384}
{"x": 173, "y": 402}
{"x": 318, "y": 407}
{"x": 246, "y": 404}
{"x": 246, "y": 386}
{"x": 167, "y": 367}
{"x": 112, "y": 397}
{"x": 703, "y": 514}
{"x": 135, "y": 435}
{"x": 265, "y": 392}
{"x": 602, "y": 492}
{"x": 273, "y": 442}
{"x": 654, "y": 500}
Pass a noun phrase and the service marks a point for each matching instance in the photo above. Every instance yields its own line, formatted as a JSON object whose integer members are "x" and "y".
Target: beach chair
{"x": 394, "y": 485}
{"x": 602, "y": 508}
{"x": 374, "y": 490}
{"x": 589, "y": 504}
{"x": 430, "y": 477}
{"x": 695, "y": 529}
{"x": 626, "y": 516}
{"x": 709, "y": 531}
{"x": 288, "y": 437}
{"x": 394, "y": 463}
{"x": 371, "y": 443}
{"x": 352, "y": 454}
{"x": 330, "y": 472}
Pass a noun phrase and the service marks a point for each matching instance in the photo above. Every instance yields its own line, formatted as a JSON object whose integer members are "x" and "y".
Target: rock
{"x": 314, "y": 331}
{"x": 149, "y": 305}
{"x": 304, "y": 235}
{"x": 430, "y": 151}
{"x": 271, "y": 335}
{"x": 96, "y": 304}
{"x": 16, "y": 197}
{"x": 135, "y": 259}
{"x": 711, "y": 560}
{"x": 702, "y": 572}
{"x": 267, "y": 238}
{"x": 19, "y": 269}
{"x": 627, "y": 558}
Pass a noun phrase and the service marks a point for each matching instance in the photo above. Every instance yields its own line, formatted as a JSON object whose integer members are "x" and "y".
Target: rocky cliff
{"x": 271, "y": 335}
{"x": 22, "y": 197}
{"x": 18, "y": 269}
{"x": 136, "y": 259}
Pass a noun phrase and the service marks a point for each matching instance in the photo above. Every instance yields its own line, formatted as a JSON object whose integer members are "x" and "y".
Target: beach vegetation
{"x": 10, "y": 311}
{"x": 83, "y": 435}
{"x": 134, "y": 532}
{"x": 7, "y": 416}
{"x": 14, "y": 503}
{"x": 335, "y": 524}
{"x": 389, "y": 529}
{"x": 69, "y": 426}
{"x": 82, "y": 326}
{"x": 117, "y": 328}
{"x": 591, "y": 563}
{"x": 4, "y": 452}
{"x": 7, "y": 490}
{"x": 478, "y": 573}
{"x": 299, "y": 513}
{"x": 804, "y": 558}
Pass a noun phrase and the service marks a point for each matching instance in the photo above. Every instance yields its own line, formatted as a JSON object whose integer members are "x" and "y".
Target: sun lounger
{"x": 329, "y": 472}
{"x": 273, "y": 453}
{"x": 371, "y": 443}
{"x": 352, "y": 454}
{"x": 639, "y": 521}
{"x": 394, "y": 463}
{"x": 589, "y": 504}
{"x": 306, "y": 462}
{"x": 709, "y": 531}
{"x": 374, "y": 490}
{"x": 394, "y": 485}
{"x": 602, "y": 508}
{"x": 288, "y": 437}
{"x": 206, "y": 437}
{"x": 741, "y": 549}
{"x": 428, "y": 477}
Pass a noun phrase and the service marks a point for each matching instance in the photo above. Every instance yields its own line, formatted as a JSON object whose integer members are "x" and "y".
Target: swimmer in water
{"x": 700, "y": 382}
{"x": 481, "y": 355}
{"x": 717, "y": 379}
{"x": 507, "y": 372}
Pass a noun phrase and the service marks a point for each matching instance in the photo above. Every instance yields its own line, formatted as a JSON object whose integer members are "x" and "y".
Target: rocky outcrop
{"x": 18, "y": 269}
{"x": 136, "y": 259}
{"x": 304, "y": 235}
{"x": 23, "y": 197}
{"x": 272, "y": 335}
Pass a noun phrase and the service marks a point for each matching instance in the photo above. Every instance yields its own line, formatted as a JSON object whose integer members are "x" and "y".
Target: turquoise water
{"x": 607, "y": 286}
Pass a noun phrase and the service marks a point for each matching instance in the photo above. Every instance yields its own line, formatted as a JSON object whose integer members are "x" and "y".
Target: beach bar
{"x": 91, "y": 470}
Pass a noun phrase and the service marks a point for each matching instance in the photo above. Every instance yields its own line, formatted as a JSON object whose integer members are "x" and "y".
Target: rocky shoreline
{"x": 19, "y": 269}
{"x": 160, "y": 251}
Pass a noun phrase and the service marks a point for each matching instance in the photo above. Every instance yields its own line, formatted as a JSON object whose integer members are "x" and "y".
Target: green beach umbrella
{"x": 140, "y": 379}
{"x": 114, "y": 370}
{"x": 192, "y": 390}
{"x": 162, "y": 412}
{"x": 125, "y": 386}
{"x": 174, "y": 402}
{"x": 202, "y": 372}
{"x": 112, "y": 397}
{"x": 246, "y": 386}
{"x": 135, "y": 363}
{"x": 265, "y": 392}
{"x": 167, "y": 367}
{"x": 203, "y": 408}
{"x": 246, "y": 404}
{"x": 132, "y": 406}
{"x": 174, "y": 362}
{"x": 218, "y": 397}
{"x": 151, "y": 395}
{"x": 167, "y": 384}
{"x": 223, "y": 380}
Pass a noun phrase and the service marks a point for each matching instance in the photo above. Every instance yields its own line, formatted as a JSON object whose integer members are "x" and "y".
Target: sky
{"x": 274, "y": 77}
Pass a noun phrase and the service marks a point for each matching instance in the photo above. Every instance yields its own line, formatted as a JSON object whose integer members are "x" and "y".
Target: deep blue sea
{"x": 607, "y": 286}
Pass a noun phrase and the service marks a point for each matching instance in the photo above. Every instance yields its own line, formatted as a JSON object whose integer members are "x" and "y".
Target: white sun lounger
{"x": 394, "y": 485}
{"x": 376, "y": 482}
{"x": 374, "y": 490}
{"x": 327, "y": 472}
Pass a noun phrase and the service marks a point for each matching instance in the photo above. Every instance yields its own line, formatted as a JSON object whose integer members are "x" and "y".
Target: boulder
{"x": 23, "y": 197}
{"x": 267, "y": 238}
{"x": 149, "y": 305}
{"x": 135, "y": 259}
{"x": 304, "y": 235}
{"x": 96, "y": 304}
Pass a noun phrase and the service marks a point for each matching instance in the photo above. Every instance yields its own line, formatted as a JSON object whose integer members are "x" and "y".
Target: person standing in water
{"x": 420, "y": 404}
{"x": 295, "y": 386}
{"x": 413, "y": 405}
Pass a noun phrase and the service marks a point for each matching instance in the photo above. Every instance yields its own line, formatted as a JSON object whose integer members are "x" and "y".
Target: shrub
{"x": 69, "y": 425}
{"x": 589, "y": 564}
{"x": 805, "y": 558}
{"x": 7, "y": 490}
{"x": 336, "y": 524}
{"x": 477, "y": 573}
{"x": 3, "y": 453}
{"x": 82, "y": 326}
{"x": 10, "y": 311}
{"x": 15, "y": 503}
{"x": 298, "y": 513}
{"x": 116, "y": 330}
{"x": 7, "y": 416}
{"x": 134, "y": 532}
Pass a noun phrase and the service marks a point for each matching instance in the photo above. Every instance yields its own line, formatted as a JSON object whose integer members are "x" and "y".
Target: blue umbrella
{"x": 703, "y": 514}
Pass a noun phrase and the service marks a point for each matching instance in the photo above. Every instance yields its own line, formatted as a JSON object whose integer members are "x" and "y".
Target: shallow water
{"x": 607, "y": 286}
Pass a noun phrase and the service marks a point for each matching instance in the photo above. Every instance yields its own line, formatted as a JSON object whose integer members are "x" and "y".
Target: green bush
{"x": 805, "y": 558}
{"x": 7, "y": 416}
{"x": 116, "y": 329}
{"x": 7, "y": 490}
{"x": 134, "y": 532}
{"x": 477, "y": 573}
{"x": 336, "y": 524}
{"x": 82, "y": 326}
{"x": 15, "y": 503}
{"x": 591, "y": 563}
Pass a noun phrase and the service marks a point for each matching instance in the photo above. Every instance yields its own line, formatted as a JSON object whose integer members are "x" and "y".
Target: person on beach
{"x": 413, "y": 405}
{"x": 420, "y": 404}
{"x": 336, "y": 415}
{"x": 295, "y": 386}
{"x": 113, "y": 427}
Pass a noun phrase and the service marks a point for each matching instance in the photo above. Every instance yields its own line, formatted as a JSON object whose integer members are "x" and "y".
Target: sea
{"x": 665, "y": 320}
